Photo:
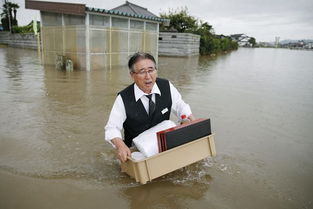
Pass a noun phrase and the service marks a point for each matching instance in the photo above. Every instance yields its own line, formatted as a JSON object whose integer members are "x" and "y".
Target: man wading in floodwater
{"x": 142, "y": 105}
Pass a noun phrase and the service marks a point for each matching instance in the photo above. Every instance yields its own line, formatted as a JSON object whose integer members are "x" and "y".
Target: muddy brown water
{"x": 260, "y": 101}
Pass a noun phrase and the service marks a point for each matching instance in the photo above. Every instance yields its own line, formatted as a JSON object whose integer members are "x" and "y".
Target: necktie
{"x": 151, "y": 104}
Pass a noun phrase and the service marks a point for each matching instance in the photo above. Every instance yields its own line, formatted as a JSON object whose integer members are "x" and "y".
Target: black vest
{"x": 137, "y": 118}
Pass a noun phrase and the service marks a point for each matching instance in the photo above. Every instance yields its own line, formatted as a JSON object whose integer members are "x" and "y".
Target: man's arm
{"x": 179, "y": 107}
{"x": 122, "y": 150}
{"x": 113, "y": 129}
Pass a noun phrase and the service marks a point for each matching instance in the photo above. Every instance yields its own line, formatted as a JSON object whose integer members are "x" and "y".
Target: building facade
{"x": 178, "y": 44}
{"x": 93, "y": 38}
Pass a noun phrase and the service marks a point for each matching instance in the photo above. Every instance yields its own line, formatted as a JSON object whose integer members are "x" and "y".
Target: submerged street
{"x": 260, "y": 102}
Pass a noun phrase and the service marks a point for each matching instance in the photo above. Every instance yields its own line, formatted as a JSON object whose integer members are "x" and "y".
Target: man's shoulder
{"x": 164, "y": 85}
{"x": 127, "y": 89}
{"x": 162, "y": 81}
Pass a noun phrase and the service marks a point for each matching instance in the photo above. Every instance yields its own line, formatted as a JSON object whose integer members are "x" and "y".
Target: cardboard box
{"x": 170, "y": 160}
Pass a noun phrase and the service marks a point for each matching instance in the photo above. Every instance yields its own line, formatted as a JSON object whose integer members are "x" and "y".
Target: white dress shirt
{"x": 118, "y": 114}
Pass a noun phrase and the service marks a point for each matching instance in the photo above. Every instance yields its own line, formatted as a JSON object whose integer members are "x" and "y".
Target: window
{"x": 51, "y": 19}
{"x": 151, "y": 26}
{"x": 99, "y": 20}
{"x": 119, "y": 22}
{"x": 134, "y": 24}
{"x": 74, "y": 20}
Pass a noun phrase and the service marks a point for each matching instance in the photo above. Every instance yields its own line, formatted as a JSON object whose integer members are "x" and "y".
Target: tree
{"x": 210, "y": 43}
{"x": 7, "y": 19}
{"x": 252, "y": 41}
{"x": 207, "y": 43}
{"x": 181, "y": 21}
{"x": 205, "y": 29}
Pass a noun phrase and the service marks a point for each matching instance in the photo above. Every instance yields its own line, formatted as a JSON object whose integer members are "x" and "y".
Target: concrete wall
{"x": 178, "y": 44}
{"x": 19, "y": 40}
{"x": 170, "y": 44}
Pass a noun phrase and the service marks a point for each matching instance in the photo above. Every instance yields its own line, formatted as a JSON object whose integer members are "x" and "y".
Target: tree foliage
{"x": 8, "y": 15}
{"x": 180, "y": 21}
{"x": 210, "y": 43}
{"x": 25, "y": 29}
{"x": 252, "y": 41}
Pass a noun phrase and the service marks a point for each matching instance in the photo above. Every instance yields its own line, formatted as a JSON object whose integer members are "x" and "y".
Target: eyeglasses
{"x": 142, "y": 73}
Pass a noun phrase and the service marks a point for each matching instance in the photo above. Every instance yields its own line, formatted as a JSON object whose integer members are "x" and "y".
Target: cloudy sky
{"x": 262, "y": 19}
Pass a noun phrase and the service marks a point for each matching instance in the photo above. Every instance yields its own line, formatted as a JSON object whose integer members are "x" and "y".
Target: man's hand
{"x": 122, "y": 150}
{"x": 191, "y": 117}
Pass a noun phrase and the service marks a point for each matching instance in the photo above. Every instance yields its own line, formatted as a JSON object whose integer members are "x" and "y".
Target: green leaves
{"x": 252, "y": 41}
{"x": 181, "y": 21}
{"x": 7, "y": 18}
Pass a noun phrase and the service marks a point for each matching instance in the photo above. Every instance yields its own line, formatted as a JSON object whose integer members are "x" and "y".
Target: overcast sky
{"x": 262, "y": 19}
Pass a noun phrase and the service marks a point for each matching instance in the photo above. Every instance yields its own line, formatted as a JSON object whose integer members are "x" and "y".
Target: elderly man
{"x": 142, "y": 105}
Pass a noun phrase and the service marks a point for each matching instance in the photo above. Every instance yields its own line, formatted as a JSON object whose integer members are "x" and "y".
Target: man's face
{"x": 145, "y": 75}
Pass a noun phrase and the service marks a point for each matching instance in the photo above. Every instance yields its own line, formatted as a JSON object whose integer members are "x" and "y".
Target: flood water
{"x": 260, "y": 101}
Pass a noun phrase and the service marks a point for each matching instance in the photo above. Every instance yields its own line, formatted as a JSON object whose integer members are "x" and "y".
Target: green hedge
{"x": 26, "y": 29}
{"x": 210, "y": 43}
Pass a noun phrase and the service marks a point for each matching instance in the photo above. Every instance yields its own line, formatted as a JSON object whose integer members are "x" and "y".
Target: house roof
{"x": 57, "y": 7}
{"x": 134, "y": 9}
{"x": 129, "y": 10}
{"x": 239, "y": 37}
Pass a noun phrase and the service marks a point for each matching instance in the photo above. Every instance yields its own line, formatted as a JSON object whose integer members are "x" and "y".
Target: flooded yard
{"x": 260, "y": 101}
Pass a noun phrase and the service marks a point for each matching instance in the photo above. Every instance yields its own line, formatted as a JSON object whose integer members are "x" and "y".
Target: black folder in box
{"x": 182, "y": 134}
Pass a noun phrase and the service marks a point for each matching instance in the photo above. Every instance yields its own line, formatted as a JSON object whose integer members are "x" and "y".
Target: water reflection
{"x": 13, "y": 63}
{"x": 164, "y": 194}
{"x": 174, "y": 190}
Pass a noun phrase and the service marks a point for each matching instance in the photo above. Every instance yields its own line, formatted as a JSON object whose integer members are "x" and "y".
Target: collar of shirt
{"x": 139, "y": 93}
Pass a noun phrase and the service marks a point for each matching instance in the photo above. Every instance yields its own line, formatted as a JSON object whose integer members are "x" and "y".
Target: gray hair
{"x": 137, "y": 57}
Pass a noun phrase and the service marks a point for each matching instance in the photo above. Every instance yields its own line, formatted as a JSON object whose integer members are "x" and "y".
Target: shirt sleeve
{"x": 117, "y": 117}
{"x": 179, "y": 107}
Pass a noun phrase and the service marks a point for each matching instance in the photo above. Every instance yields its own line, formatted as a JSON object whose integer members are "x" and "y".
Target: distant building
{"x": 297, "y": 44}
{"x": 266, "y": 44}
{"x": 277, "y": 41}
{"x": 308, "y": 45}
{"x": 95, "y": 38}
{"x": 241, "y": 39}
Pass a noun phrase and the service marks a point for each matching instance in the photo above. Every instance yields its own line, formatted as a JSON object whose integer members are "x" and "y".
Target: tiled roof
{"x": 134, "y": 9}
{"x": 129, "y": 10}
